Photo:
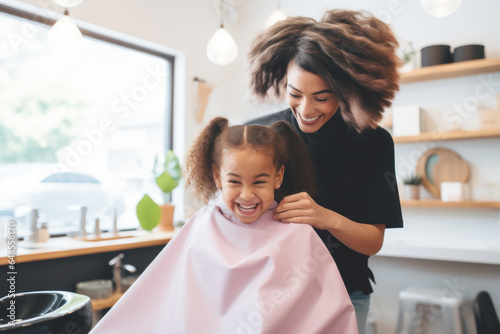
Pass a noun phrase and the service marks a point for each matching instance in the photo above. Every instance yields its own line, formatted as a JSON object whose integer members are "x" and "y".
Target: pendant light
{"x": 221, "y": 48}
{"x": 277, "y": 15}
{"x": 64, "y": 34}
{"x": 440, "y": 8}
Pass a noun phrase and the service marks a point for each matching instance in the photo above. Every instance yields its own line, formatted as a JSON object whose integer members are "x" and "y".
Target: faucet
{"x": 83, "y": 219}
{"x": 116, "y": 263}
{"x": 33, "y": 225}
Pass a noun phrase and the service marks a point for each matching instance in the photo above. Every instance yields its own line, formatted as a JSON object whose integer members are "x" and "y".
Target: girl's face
{"x": 248, "y": 179}
{"x": 310, "y": 98}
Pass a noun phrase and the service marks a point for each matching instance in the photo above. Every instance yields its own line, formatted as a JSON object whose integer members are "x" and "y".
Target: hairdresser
{"x": 338, "y": 75}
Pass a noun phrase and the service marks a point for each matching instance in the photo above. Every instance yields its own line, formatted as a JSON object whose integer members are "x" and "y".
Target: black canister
{"x": 468, "y": 52}
{"x": 435, "y": 55}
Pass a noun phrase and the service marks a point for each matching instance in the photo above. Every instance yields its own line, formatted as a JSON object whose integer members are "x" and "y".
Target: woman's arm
{"x": 302, "y": 209}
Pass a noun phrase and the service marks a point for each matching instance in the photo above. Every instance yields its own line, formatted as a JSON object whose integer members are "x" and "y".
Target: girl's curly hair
{"x": 353, "y": 51}
{"x": 278, "y": 140}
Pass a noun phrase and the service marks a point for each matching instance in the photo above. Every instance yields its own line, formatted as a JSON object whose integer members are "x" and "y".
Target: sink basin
{"x": 45, "y": 312}
{"x": 97, "y": 289}
{"x": 128, "y": 281}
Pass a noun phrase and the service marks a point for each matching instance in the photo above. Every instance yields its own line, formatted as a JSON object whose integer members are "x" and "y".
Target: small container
{"x": 436, "y": 55}
{"x": 454, "y": 192}
{"x": 468, "y": 52}
{"x": 43, "y": 233}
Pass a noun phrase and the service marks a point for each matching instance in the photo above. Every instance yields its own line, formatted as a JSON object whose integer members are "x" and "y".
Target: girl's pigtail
{"x": 299, "y": 169}
{"x": 200, "y": 159}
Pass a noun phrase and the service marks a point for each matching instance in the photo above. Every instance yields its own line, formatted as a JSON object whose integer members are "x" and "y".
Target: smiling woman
{"x": 310, "y": 98}
{"x": 102, "y": 108}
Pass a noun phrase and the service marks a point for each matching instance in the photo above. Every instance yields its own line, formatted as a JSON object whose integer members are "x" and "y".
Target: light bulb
{"x": 440, "y": 8}
{"x": 277, "y": 15}
{"x": 222, "y": 48}
{"x": 64, "y": 34}
{"x": 68, "y": 3}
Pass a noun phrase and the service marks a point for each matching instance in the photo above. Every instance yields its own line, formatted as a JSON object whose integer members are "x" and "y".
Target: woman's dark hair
{"x": 278, "y": 140}
{"x": 353, "y": 51}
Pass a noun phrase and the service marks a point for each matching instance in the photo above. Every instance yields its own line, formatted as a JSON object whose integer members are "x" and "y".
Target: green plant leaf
{"x": 172, "y": 166}
{"x": 148, "y": 213}
{"x": 166, "y": 182}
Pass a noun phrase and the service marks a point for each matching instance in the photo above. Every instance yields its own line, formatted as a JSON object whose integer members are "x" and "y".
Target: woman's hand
{"x": 302, "y": 209}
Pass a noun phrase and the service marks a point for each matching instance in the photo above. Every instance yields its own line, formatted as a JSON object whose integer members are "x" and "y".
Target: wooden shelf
{"x": 449, "y": 135}
{"x": 439, "y": 204}
{"x": 452, "y": 70}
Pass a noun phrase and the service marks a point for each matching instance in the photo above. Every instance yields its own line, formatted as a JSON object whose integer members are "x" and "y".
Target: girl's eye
{"x": 295, "y": 96}
{"x": 233, "y": 181}
{"x": 260, "y": 182}
{"x": 321, "y": 100}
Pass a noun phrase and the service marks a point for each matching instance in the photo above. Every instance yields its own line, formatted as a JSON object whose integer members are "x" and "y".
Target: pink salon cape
{"x": 221, "y": 276}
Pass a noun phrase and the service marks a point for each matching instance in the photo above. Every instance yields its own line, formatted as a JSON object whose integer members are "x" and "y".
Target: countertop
{"x": 61, "y": 247}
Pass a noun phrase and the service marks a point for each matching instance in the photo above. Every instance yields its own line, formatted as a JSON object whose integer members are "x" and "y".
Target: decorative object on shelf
{"x": 412, "y": 186}
{"x": 204, "y": 90}
{"x": 436, "y": 55}
{"x": 468, "y": 52}
{"x": 485, "y": 192}
{"x": 150, "y": 214}
{"x": 440, "y": 8}
{"x": 64, "y": 34}
{"x": 454, "y": 191}
{"x": 221, "y": 48}
{"x": 406, "y": 120}
{"x": 407, "y": 53}
{"x": 439, "y": 165}
{"x": 277, "y": 15}
{"x": 489, "y": 119}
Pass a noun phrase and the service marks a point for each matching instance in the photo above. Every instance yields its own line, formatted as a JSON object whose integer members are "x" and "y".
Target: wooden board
{"x": 441, "y": 165}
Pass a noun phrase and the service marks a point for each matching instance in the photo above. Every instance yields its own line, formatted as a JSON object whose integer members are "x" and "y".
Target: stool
{"x": 430, "y": 311}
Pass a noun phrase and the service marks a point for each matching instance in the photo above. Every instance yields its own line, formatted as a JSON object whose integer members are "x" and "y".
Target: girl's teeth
{"x": 309, "y": 119}
{"x": 247, "y": 207}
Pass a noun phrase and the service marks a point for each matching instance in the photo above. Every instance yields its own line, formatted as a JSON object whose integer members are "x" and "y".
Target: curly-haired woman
{"x": 338, "y": 75}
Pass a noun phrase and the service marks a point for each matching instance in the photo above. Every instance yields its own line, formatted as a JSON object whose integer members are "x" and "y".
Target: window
{"x": 78, "y": 127}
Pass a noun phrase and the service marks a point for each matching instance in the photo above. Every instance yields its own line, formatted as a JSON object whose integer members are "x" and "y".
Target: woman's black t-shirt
{"x": 355, "y": 175}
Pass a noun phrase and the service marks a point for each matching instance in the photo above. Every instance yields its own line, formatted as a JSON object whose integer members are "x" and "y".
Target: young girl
{"x": 232, "y": 268}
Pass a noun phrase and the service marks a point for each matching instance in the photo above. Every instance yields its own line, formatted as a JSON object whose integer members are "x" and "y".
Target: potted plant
{"x": 407, "y": 54}
{"x": 167, "y": 176}
{"x": 412, "y": 186}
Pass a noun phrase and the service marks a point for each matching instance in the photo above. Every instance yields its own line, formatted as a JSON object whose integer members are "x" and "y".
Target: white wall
{"x": 187, "y": 25}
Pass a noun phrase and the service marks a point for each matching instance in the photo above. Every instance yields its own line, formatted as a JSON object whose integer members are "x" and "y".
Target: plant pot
{"x": 412, "y": 191}
{"x": 167, "y": 218}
